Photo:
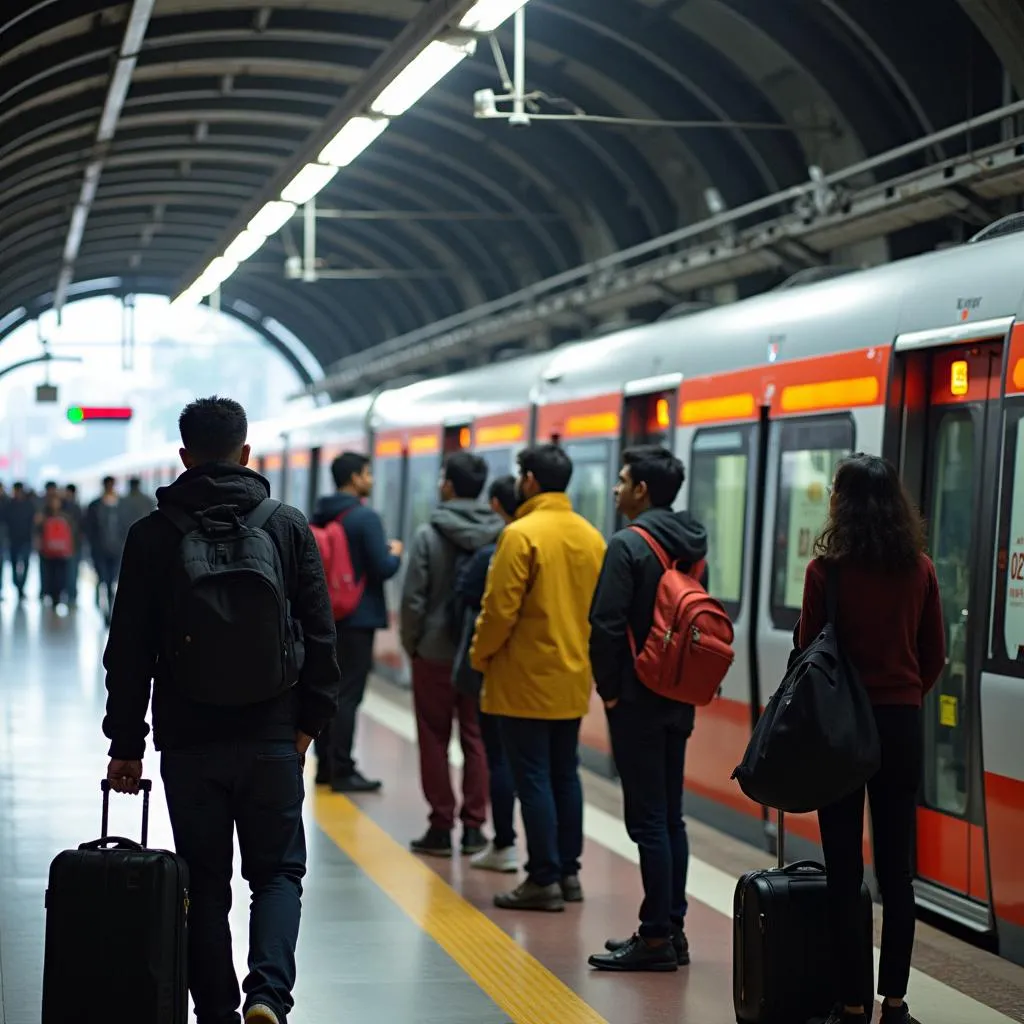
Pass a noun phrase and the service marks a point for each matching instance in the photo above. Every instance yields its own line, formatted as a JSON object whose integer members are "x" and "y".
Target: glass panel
{"x": 424, "y": 471}
{"x": 590, "y": 487}
{"x": 298, "y": 488}
{"x": 1013, "y": 626}
{"x": 387, "y": 495}
{"x": 718, "y": 498}
{"x": 952, "y": 506}
{"x": 500, "y": 462}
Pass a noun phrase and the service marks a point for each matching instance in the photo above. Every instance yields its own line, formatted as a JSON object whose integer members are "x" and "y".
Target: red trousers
{"x": 437, "y": 702}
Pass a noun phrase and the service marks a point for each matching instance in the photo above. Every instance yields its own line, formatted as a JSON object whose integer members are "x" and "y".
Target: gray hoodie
{"x": 461, "y": 525}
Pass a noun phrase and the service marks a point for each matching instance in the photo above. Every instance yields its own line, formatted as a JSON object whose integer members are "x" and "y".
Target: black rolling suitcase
{"x": 116, "y": 917}
{"x": 782, "y": 953}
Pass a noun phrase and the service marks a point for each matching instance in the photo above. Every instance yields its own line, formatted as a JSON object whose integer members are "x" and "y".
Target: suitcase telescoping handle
{"x": 780, "y": 841}
{"x": 145, "y": 787}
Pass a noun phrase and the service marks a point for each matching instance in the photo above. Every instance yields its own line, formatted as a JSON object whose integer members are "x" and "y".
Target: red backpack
{"x": 56, "y": 540}
{"x": 345, "y": 590}
{"x": 689, "y": 648}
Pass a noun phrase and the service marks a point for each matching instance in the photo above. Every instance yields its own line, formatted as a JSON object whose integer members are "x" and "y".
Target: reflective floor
{"x": 387, "y": 936}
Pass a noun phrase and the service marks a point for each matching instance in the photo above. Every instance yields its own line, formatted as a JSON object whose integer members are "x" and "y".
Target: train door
{"x": 948, "y": 404}
{"x": 649, "y": 411}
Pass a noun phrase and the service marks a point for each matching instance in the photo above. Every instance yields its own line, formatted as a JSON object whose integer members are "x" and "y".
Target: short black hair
{"x": 49, "y": 484}
{"x": 71, "y": 488}
{"x": 503, "y": 489}
{"x": 135, "y": 483}
{"x": 467, "y": 473}
{"x": 213, "y": 429}
{"x": 550, "y": 465}
{"x": 346, "y": 465}
{"x": 657, "y": 467}
{"x": 108, "y": 481}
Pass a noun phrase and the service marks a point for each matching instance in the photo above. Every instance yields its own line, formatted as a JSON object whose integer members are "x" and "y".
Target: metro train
{"x": 921, "y": 360}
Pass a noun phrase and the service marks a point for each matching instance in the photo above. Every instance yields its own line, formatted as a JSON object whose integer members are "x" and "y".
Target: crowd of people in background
{"x": 54, "y": 527}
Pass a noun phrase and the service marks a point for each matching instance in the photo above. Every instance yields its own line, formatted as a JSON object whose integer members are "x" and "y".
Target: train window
{"x": 591, "y": 487}
{"x": 423, "y": 491}
{"x": 500, "y": 462}
{"x": 1008, "y": 618}
{"x": 387, "y": 495}
{"x": 719, "y": 466}
{"x": 810, "y": 449}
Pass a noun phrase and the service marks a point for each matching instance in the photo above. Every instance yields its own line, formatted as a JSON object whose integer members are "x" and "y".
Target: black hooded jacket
{"x": 132, "y": 656}
{"x": 626, "y": 592}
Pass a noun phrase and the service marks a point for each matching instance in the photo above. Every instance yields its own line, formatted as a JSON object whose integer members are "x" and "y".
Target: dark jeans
{"x": 503, "y": 787}
{"x": 21, "y": 555}
{"x": 107, "y": 567}
{"x": 892, "y": 793}
{"x": 257, "y": 788}
{"x": 73, "y": 565}
{"x": 649, "y": 738}
{"x": 55, "y": 577}
{"x": 545, "y": 765}
{"x": 355, "y": 659}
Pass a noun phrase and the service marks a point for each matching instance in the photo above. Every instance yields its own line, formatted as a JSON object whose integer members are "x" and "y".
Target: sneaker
{"x": 679, "y": 944}
{"x": 636, "y": 954}
{"x": 473, "y": 841}
{"x": 531, "y": 896}
{"x": 896, "y": 1014}
{"x": 572, "y": 891}
{"x": 355, "y": 783}
{"x": 840, "y": 1016}
{"x": 492, "y": 859}
{"x": 260, "y": 1013}
{"x": 433, "y": 843}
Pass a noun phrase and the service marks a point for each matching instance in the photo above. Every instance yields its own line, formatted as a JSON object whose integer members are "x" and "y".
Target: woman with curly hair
{"x": 890, "y": 628}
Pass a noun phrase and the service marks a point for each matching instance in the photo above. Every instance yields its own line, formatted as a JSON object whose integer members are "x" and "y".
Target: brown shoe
{"x": 530, "y": 896}
{"x": 572, "y": 891}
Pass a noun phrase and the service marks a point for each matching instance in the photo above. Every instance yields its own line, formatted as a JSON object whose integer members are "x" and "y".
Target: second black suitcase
{"x": 782, "y": 950}
{"x": 116, "y": 928}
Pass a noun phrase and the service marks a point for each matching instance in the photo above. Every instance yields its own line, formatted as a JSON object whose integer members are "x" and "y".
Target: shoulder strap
{"x": 659, "y": 551}
{"x": 831, "y": 592}
{"x": 182, "y": 520}
{"x": 258, "y": 517}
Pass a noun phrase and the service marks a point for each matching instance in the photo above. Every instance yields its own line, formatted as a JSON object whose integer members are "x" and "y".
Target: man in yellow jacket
{"x": 531, "y": 644}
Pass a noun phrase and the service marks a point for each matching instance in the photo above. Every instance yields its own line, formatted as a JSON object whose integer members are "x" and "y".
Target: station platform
{"x": 386, "y": 935}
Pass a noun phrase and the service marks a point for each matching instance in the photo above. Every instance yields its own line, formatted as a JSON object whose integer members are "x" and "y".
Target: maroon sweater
{"x": 890, "y": 627}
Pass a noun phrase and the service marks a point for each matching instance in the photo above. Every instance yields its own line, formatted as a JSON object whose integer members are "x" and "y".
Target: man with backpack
{"x": 358, "y": 559}
{"x": 223, "y": 607}
{"x": 649, "y": 731}
{"x": 105, "y": 531}
{"x": 430, "y": 627}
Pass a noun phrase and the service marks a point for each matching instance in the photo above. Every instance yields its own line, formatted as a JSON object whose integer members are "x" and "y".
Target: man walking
{"x": 531, "y": 645}
{"x": 458, "y": 527}
{"x": 21, "y": 520}
{"x": 374, "y": 560}
{"x": 105, "y": 531}
{"x": 235, "y": 702}
{"x": 649, "y": 732}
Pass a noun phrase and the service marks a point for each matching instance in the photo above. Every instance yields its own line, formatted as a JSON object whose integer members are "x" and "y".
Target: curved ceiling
{"x": 229, "y": 97}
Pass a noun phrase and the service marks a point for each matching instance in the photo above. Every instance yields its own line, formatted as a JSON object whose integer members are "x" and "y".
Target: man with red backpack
{"x": 357, "y": 561}
{"x": 649, "y": 729}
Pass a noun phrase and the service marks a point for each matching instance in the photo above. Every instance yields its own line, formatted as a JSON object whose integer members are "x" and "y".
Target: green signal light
{"x": 76, "y": 414}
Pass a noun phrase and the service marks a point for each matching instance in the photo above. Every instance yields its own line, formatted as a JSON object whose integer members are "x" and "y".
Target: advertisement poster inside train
{"x": 809, "y": 479}
{"x": 1015, "y": 567}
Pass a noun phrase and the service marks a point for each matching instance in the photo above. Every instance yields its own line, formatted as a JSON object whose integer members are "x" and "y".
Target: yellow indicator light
{"x": 505, "y": 432}
{"x": 422, "y": 444}
{"x": 597, "y": 423}
{"x": 661, "y": 413}
{"x": 464, "y": 437}
{"x": 958, "y": 377}
{"x": 728, "y": 407}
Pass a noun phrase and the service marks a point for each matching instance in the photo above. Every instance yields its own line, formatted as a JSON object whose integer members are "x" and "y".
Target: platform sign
{"x": 46, "y": 394}
{"x": 99, "y": 413}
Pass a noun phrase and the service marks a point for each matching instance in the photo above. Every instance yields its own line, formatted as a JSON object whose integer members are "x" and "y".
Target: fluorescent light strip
{"x": 420, "y": 75}
{"x": 487, "y": 15}
{"x": 247, "y": 244}
{"x": 309, "y": 182}
{"x": 272, "y": 218}
{"x": 356, "y": 136}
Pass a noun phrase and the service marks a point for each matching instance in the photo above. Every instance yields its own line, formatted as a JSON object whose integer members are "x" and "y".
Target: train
{"x": 921, "y": 360}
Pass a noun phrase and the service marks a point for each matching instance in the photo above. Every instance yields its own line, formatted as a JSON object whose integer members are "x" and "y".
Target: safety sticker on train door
{"x": 947, "y": 710}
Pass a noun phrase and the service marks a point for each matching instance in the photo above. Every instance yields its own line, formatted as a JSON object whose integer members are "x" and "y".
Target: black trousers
{"x": 892, "y": 794}
{"x": 355, "y": 659}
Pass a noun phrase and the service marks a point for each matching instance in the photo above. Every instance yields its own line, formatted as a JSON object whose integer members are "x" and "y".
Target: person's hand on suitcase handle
{"x": 124, "y": 776}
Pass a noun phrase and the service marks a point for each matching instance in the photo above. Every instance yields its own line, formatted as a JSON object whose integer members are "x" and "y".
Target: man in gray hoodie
{"x": 429, "y": 629}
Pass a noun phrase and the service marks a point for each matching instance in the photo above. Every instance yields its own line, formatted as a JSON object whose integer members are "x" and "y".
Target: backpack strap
{"x": 259, "y": 516}
{"x": 182, "y": 520}
{"x": 659, "y": 552}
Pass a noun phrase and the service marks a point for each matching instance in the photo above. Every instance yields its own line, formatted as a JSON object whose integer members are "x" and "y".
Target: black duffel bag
{"x": 817, "y": 740}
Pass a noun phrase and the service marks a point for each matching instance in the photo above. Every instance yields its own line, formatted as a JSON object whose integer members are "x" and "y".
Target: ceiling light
{"x": 215, "y": 274}
{"x": 487, "y": 15}
{"x": 309, "y": 182}
{"x": 244, "y": 246}
{"x": 272, "y": 218}
{"x": 420, "y": 75}
{"x": 357, "y": 134}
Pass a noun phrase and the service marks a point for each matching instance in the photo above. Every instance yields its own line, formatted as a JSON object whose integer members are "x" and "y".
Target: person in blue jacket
{"x": 500, "y": 853}
{"x": 375, "y": 559}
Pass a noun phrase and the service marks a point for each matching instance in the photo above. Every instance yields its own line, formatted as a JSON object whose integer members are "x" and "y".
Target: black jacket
{"x": 21, "y": 518}
{"x": 471, "y": 581}
{"x": 132, "y": 657}
{"x": 625, "y": 594}
{"x": 371, "y": 558}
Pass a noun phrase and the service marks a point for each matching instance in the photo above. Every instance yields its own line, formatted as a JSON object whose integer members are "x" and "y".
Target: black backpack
{"x": 817, "y": 740}
{"x": 230, "y": 637}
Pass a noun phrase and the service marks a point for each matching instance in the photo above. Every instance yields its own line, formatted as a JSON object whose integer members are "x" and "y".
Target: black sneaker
{"x": 679, "y": 945}
{"x": 840, "y": 1016}
{"x": 572, "y": 891}
{"x": 433, "y": 843}
{"x": 355, "y": 783}
{"x": 896, "y": 1014}
{"x": 635, "y": 954}
{"x": 531, "y": 896}
{"x": 473, "y": 841}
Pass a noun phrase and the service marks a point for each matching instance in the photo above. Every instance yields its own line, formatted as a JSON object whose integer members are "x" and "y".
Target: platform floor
{"x": 388, "y": 936}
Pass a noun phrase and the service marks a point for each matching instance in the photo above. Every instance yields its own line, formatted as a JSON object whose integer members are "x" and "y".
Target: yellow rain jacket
{"x": 532, "y": 636}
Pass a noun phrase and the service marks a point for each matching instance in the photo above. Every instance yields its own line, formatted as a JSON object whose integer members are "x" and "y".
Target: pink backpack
{"x": 345, "y": 590}
{"x": 689, "y": 648}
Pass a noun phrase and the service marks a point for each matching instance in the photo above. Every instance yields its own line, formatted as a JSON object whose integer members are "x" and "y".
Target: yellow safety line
{"x": 523, "y": 987}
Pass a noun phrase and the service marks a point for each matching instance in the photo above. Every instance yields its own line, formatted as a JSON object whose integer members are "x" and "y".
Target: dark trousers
{"x": 257, "y": 788}
{"x": 892, "y": 793}
{"x": 545, "y": 765}
{"x": 107, "y": 567}
{"x": 649, "y": 737}
{"x": 55, "y": 577}
{"x": 21, "y": 555}
{"x": 437, "y": 702}
{"x": 503, "y": 787}
{"x": 355, "y": 659}
{"x": 73, "y": 565}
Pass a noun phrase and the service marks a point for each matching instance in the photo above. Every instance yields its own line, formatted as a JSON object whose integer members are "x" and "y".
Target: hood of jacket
{"x": 213, "y": 485}
{"x": 466, "y": 523}
{"x": 682, "y": 536}
{"x": 330, "y": 506}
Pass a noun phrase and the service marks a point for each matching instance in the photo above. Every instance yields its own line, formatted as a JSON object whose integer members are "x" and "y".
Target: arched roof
{"x": 229, "y": 97}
